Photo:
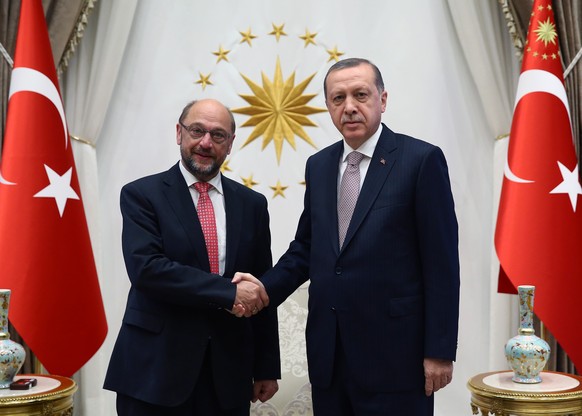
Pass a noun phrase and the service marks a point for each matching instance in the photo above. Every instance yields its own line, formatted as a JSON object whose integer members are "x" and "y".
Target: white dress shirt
{"x": 367, "y": 149}
{"x": 217, "y": 198}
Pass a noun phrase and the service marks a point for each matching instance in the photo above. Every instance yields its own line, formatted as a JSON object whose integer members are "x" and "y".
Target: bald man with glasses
{"x": 181, "y": 349}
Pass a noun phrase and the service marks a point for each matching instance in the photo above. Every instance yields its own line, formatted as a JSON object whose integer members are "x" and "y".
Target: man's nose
{"x": 350, "y": 106}
{"x": 206, "y": 140}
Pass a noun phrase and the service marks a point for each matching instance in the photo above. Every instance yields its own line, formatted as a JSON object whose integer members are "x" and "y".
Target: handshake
{"x": 251, "y": 295}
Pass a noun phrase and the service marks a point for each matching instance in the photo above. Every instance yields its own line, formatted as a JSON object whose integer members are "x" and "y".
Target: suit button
{"x": 338, "y": 270}
{"x": 333, "y": 308}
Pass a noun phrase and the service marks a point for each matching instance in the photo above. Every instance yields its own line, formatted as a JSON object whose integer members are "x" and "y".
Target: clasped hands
{"x": 251, "y": 295}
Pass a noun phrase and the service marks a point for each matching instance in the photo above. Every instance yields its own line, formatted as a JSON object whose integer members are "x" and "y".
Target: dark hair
{"x": 350, "y": 63}
{"x": 188, "y": 106}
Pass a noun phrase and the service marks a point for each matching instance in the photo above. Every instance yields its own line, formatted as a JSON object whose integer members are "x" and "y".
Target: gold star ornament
{"x": 221, "y": 53}
{"x": 224, "y": 167}
{"x": 308, "y": 37}
{"x": 247, "y": 37}
{"x": 278, "y": 190}
{"x": 249, "y": 182}
{"x": 278, "y": 110}
{"x": 334, "y": 54}
{"x": 204, "y": 80}
{"x": 278, "y": 31}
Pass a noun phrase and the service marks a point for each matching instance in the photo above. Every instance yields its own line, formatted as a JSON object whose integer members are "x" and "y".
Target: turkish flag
{"x": 45, "y": 251}
{"x": 539, "y": 225}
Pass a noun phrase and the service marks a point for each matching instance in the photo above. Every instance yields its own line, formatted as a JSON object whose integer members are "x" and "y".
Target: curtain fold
{"x": 9, "y": 12}
{"x": 87, "y": 87}
{"x": 568, "y": 19}
{"x": 568, "y": 14}
{"x": 493, "y": 66}
{"x": 62, "y": 18}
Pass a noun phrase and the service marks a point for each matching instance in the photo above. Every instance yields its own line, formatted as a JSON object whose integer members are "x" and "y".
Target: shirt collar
{"x": 367, "y": 148}
{"x": 190, "y": 179}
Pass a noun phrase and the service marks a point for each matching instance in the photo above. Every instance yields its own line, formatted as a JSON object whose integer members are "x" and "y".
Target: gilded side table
{"x": 496, "y": 394}
{"x": 52, "y": 396}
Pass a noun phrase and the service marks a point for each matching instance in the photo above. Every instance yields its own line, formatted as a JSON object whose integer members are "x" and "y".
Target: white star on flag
{"x": 59, "y": 188}
{"x": 570, "y": 185}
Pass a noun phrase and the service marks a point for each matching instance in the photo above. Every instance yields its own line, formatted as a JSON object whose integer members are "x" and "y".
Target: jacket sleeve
{"x": 292, "y": 269}
{"x": 267, "y": 363}
{"x": 438, "y": 244}
{"x": 158, "y": 258}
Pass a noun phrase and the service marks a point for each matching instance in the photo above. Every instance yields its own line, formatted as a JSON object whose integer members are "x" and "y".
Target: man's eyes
{"x": 359, "y": 95}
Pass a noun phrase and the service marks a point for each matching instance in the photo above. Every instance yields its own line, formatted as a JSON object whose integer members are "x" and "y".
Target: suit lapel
{"x": 233, "y": 206}
{"x": 329, "y": 173}
{"x": 180, "y": 200}
{"x": 380, "y": 166}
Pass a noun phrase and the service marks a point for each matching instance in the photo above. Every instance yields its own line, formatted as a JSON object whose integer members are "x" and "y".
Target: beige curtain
{"x": 568, "y": 15}
{"x": 66, "y": 20}
{"x": 9, "y": 11}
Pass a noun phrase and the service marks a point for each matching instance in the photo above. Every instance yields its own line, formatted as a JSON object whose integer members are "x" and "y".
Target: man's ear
{"x": 231, "y": 142}
{"x": 178, "y": 134}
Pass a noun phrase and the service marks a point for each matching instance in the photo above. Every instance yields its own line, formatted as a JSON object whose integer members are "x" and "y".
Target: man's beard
{"x": 201, "y": 172}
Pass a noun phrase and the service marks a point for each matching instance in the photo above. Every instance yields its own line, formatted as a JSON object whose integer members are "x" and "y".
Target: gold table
{"x": 52, "y": 396}
{"x": 494, "y": 393}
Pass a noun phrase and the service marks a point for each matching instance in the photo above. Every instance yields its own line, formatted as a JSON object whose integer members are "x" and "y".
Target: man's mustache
{"x": 351, "y": 119}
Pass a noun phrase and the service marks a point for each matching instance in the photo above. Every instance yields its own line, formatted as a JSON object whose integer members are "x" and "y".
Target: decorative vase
{"x": 11, "y": 353}
{"x": 526, "y": 353}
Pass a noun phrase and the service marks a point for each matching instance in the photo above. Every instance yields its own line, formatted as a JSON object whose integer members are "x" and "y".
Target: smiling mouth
{"x": 203, "y": 155}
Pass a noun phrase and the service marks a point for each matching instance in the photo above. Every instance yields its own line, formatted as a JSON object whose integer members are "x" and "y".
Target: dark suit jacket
{"x": 392, "y": 292}
{"x": 176, "y": 309}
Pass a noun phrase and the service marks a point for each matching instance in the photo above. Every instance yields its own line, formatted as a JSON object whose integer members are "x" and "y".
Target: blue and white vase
{"x": 11, "y": 353}
{"x": 526, "y": 353}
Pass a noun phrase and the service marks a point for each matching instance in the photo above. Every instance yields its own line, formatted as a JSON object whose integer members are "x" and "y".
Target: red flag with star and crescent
{"x": 46, "y": 257}
{"x": 539, "y": 225}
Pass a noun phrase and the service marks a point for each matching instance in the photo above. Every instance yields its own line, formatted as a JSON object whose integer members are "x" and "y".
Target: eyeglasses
{"x": 197, "y": 132}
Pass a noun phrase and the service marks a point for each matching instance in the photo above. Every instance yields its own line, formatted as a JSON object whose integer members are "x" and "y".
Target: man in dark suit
{"x": 181, "y": 351}
{"x": 384, "y": 281}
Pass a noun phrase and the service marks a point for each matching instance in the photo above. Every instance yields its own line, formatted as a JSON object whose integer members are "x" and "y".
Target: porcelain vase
{"x": 11, "y": 353}
{"x": 526, "y": 353}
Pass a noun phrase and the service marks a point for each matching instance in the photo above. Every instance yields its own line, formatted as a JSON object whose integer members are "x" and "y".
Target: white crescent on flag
{"x": 28, "y": 79}
{"x": 536, "y": 80}
{"x": 4, "y": 181}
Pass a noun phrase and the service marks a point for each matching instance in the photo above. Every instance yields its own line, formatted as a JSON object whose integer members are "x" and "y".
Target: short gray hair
{"x": 350, "y": 63}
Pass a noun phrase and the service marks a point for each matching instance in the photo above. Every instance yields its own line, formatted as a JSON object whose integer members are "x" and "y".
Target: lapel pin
{"x": 382, "y": 161}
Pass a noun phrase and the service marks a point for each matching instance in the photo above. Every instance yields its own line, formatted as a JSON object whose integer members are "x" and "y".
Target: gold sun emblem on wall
{"x": 278, "y": 110}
